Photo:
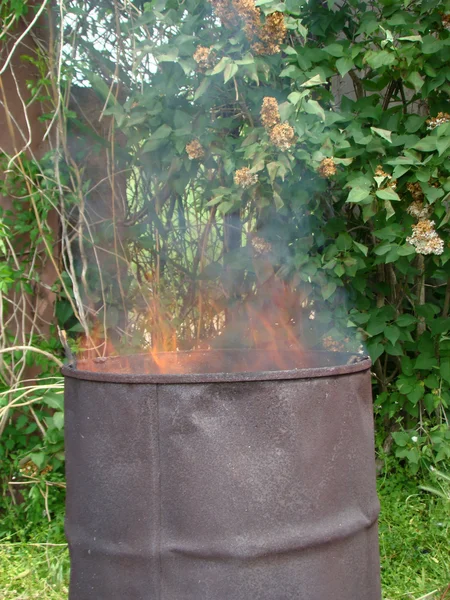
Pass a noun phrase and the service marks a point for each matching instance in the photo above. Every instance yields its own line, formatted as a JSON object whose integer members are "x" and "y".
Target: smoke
{"x": 202, "y": 220}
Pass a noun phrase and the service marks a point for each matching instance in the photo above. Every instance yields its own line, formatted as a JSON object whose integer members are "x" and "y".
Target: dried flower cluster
{"x": 425, "y": 239}
{"x": 260, "y": 246}
{"x": 248, "y": 13}
{"x": 446, "y": 21}
{"x": 380, "y": 172}
{"x": 29, "y": 469}
{"x": 226, "y": 12}
{"x": 204, "y": 57}
{"x": 416, "y": 191}
{"x": 270, "y": 115}
{"x": 265, "y": 38}
{"x": 282, "y": 136}
{"x": 271, "y": 35}
{"x": 332, "y": 345}
{"x": 195, "y": 150}
{"x": 440, "y": 119}
{"x": 327, "y": 168}
{"x": 245, "y": 178}
{"x": 418, "y": 210}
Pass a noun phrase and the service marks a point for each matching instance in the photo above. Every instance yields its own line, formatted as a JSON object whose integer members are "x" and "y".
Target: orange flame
{"x": 259, "y": 334}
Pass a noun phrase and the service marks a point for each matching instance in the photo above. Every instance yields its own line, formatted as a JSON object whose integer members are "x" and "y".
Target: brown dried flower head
{"x": 332, "y": 345}
{"x": 271, "y": 35}
{"x": 204, "y": 57}
{"x": 29, "y": 469}
{"x": 327, "y": 168}
{"x": 265, "y": 38}
{"x": 380, "y": 172}
{"x": 416, "y": 191}
{"x": 260, "y": 246}
{"x": 440, "y": 119}
{"x": 446, "y": 20}
{"x": 225, "y": 12}
{"x": 245, "y": 178}
{"x": 282, "y": 136}
{"x": 425, "y": 239}
{"x": 270, "y": 115}
{"x": 195, "y": 150}
{"x": 248, "y": 12}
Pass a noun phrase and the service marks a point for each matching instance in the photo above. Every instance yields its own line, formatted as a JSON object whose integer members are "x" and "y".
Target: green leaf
{"x": 382, "y": 249}
{"x": 401, "y": 438}
{"x": 295, "y": 97}
{"x": 384, "y": 133}
{"x": 334, "y": 49}
{"x": 432, "y": 381}
{"x": 38, "y": 458}
{"x": 202, "y": 88}
{"x": 414, "y": 123}
{"x": 445, "y": 369}
{"x": 162, "y": 132}
{"x": 442, "y": 145}
{"x": 312, "y": 107}
{"x": 344, "y": 65}
{"x": 375, "y": 350}
{"x": 427, "y": 144}
{"x": 431, "y": 45}
{"x": 58, "y": 420}
{"x": 229, "y": 72}
{"x": 406, "y": 250}
{"x": 407, "y": 365}
{"x": 392, "y": 333}
{"x": 364, "y": 249}
{"x": 328, "y": 290}
{"x": 416, "y": 394}
{"x": 358, "y": 194}
{"x": 379, "y": 59}
{"x": 390, "y": 212}
{"x": 411, "y": 38}
{"x": 272, "y": 169}
{"x": 387, "y": 194}
{"x": 416, "y": 80}
{"x": 223, "y": 62}
{"x": 399, "y": 171}
{"x": 316, "y": 80}
{"x": 425, "y": 361}
{"x": 53, "y": 399}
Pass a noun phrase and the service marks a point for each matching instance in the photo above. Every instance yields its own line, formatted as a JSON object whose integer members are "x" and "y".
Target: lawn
{"x": 414, "y": 546}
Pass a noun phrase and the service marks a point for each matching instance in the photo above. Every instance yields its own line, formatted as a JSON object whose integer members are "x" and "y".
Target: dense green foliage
{"x": 361, "y": 156}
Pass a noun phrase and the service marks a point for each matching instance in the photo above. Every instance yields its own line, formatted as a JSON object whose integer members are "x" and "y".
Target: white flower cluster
{"x": 440, "y": 119}
{"x": 417, "y": 210}
{"x": 425, "y": 239}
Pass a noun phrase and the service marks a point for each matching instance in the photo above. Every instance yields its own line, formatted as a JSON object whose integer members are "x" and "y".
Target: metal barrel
{"x": 251, "y": 486}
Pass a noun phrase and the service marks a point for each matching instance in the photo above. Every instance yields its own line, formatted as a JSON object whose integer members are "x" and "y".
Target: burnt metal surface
{"x": 222, "y": 490}
{"x": 139, "y": 368}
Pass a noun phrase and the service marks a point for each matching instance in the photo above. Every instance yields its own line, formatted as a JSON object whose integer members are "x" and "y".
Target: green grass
{"x": 414, "y": 547}
{"x": 33, "y": 572}
{"x": 414, "y": 530}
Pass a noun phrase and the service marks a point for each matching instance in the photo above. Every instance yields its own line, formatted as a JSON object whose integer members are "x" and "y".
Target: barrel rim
{"x": 362, "y": 363}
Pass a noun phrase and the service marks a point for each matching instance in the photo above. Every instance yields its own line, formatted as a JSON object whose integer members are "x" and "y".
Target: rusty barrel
{"x": 222, "y": 486}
